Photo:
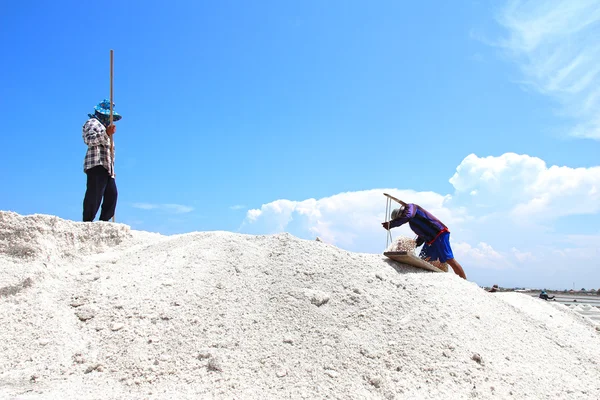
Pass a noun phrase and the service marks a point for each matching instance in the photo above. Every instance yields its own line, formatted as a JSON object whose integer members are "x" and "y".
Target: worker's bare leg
{"x": 456, "y": 267}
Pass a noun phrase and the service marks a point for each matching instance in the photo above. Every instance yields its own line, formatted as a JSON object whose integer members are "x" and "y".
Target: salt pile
{"x": 402, "y": 243}
{"x": 97, "y": 311}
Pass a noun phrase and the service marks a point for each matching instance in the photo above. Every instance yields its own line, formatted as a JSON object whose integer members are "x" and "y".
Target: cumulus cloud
{"x": 482, "y": 255}
{"x": 526, "y": 188}
{"x": 501, "y": 215}
{"x": 521, "y": 255}
{"x": 173, "y": 208}
{"x": 555, "y": 44}
{"x": 346, "y": 219}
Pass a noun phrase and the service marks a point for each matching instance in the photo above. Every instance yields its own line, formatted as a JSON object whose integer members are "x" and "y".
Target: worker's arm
{"x": 408, "y": 213}
{"x": 406, "y": 216}
{"x": 94, "y": 133}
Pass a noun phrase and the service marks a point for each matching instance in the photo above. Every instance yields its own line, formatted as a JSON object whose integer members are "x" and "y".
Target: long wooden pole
{"x": 112, "y": 143}
{"x": 395, "y": 199}
{"x": 388, "y": 207}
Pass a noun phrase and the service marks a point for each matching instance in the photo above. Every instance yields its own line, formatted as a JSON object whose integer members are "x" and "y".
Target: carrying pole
{"x": 112, "y": 144}
{"x": 388, "y": 210}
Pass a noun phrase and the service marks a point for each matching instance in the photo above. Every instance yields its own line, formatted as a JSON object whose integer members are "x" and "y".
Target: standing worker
{"x": 430, "y": 231}
{"x": 99, "y": 164}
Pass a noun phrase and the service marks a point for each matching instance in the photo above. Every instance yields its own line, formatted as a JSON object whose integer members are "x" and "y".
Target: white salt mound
{"x": 97, "y": 311}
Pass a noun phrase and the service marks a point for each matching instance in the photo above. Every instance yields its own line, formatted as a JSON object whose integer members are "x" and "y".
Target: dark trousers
{"x": 100, "y": 185}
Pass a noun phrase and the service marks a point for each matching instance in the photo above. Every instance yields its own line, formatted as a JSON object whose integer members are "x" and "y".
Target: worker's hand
{"x": 386, "y": 225}
{"x": 110, "y": 130}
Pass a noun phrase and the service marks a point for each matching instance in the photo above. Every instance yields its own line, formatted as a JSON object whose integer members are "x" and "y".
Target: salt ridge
{"x": 113, "y": 313}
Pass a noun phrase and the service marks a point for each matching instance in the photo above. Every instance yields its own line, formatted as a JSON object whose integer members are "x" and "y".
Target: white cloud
{"x": 276, "y": 214}
{"x": 178, "y": 208}
{"x": 481, "y": 256}
{"x": 253, "y": 215}
{"x": 522, "y": 256}
{"x": 173, "y": 208}
{"x": 592, "y": 241}
{"x": 346, "y": 218}
{"x": 555, "y": 43}
{"x": 526, "y": 188}
{"x": 509, "y": 225}
{"x": 145, "y": 206}
{"x": 237, "y": 207}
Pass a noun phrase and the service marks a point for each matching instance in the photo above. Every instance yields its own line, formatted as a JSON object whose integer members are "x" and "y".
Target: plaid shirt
{"x": 98, "y": 142}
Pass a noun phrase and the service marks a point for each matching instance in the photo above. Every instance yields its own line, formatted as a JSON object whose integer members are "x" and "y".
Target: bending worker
{"x": 430, "y": 231}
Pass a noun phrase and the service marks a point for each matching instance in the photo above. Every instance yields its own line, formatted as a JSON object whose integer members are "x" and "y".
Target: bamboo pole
{"x": 388, "y": 209}
{"x": 395, "y": 199}
{"x": 112, "y": 143}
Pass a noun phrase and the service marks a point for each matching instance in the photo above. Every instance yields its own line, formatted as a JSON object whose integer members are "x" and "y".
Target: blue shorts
{"x": 438, "y": 250}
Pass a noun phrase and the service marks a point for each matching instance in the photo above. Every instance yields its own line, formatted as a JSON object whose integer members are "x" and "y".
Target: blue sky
{"x": 295, "y": 116}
